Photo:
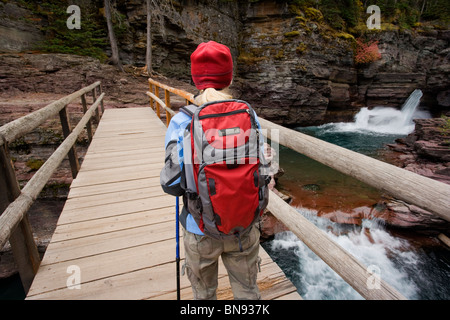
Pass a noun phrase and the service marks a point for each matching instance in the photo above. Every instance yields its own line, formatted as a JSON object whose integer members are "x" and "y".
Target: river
{"x": 417, "y": 266}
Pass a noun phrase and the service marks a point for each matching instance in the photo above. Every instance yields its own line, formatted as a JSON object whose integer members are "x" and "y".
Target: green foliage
{"x": 20, "y": 145}
{"x": 351, "y": 14}
{"x": 340, "y": 14}
{"x": 279, "y": 55}
{"x": 407, "y": 13}
{"x": 304, "y": 3}
{"x": 90, "y": 40}
{"x": 445, "y": 129}
{"x": 437, "y": 10}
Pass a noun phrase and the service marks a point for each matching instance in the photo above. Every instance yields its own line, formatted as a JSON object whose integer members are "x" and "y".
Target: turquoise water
{"x": 365, "y": 142}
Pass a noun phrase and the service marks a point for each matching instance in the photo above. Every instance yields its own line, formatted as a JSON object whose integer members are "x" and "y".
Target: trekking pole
{"x": 177, "y": 232}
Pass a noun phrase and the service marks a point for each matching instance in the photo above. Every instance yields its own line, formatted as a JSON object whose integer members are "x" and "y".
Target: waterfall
{"x": 410, "y": 106}
{"x": 386, "y": 120}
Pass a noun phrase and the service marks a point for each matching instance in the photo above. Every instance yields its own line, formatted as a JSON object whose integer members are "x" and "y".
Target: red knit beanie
{"x": 211, "y": 66}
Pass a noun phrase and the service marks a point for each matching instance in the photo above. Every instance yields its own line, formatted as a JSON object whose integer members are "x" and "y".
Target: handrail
{"x": 169, "y": 112}
{"x": 429, "y": 194}
{"x": 166, "y": 105}
{"x": 15, "y": 213}
{"x": 17, "y": 128}
{"x": 179, "y": 92}
{"x": 162, "y": 104}
{"x": 343, "y": 263}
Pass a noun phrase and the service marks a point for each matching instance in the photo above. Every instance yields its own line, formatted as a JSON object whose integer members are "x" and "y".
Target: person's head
{"x": 212, "y": 70}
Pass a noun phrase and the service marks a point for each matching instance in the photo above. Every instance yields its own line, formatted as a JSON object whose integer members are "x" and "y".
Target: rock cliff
{"x": 289, "y": 63}
{"x": 298, "y": 71}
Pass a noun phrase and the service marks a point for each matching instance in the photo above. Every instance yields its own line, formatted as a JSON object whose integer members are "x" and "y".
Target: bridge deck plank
{"x": 118, "y": 227}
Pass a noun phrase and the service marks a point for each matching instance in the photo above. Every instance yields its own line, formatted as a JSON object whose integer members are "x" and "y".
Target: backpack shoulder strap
{"x": 189, "y": 110}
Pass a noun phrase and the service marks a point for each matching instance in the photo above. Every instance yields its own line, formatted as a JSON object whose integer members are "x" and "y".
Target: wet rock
{"x": 270, "y": 225}
{"x": 426, "y": 151}
{"x": 432, "y": 149}
{"x": 398, "y": 214}
{"x": 311, "y": 187}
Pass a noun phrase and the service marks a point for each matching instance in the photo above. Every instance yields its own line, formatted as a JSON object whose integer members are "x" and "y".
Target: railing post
{"x": 167, "y": 101}
{"x": 94, "y": 98}
{"x": 8, "y": 181}
{"x": 73, "y": 159}
{"x": 89, "y": 124}
{"x": 158, "y": 113}
{"x": 25, "y": 252}
{"x": 100, "y": 91}
{"x": 151, "y": 99}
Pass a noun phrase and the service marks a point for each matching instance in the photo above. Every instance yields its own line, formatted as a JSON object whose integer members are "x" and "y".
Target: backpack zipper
{"x": 216, "y": 115}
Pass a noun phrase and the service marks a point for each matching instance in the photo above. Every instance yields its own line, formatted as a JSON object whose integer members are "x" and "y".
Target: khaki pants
{"x": 202, "y": 254}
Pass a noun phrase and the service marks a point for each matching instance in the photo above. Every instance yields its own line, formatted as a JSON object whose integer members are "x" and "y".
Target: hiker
{"x": 212, "y": 73}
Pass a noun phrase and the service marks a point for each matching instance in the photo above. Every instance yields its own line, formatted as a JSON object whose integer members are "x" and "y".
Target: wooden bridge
{"x": 117, "y": 227}
{"x": 115, "y": 238}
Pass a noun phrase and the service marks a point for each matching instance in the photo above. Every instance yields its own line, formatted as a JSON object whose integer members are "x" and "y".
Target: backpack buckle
{"x": 191, "y": 195}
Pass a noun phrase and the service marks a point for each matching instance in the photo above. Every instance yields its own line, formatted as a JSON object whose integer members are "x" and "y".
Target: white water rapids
{"x": 388, "y": 256}
{"x": 385, "y": 120}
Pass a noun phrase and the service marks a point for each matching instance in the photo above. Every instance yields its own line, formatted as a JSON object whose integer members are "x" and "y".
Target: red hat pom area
{"x": 211, "y": 66}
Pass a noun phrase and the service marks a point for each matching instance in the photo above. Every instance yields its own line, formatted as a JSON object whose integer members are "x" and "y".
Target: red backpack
{"x": 224, "y": 166}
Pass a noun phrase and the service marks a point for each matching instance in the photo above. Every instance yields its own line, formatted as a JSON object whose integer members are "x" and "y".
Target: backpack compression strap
{"x": 189, "y": 110}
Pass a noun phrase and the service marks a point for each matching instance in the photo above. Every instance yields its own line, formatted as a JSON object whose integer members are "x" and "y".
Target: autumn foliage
{"x": 366, "y": 52}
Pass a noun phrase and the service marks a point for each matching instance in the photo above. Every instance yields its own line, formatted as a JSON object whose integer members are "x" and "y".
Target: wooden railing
{"x": 154, "y": 95}
{"x": 424, "y": 192}
{"x": 15, "y": 203}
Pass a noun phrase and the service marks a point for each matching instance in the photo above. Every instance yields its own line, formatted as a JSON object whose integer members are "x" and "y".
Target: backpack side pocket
{"x": 170, "y": 175}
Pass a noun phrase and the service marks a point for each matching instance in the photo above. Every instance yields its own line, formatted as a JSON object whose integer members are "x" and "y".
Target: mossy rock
{"x": 314, "y": 14}
{"x": 311, "y": 187}
{"x": 346, "y": 36}
{"x": 301, "y": 48}
{"x": 292, "y": 34}
{"x": 249, "y": 58}
{"x": 35, "y": 164}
